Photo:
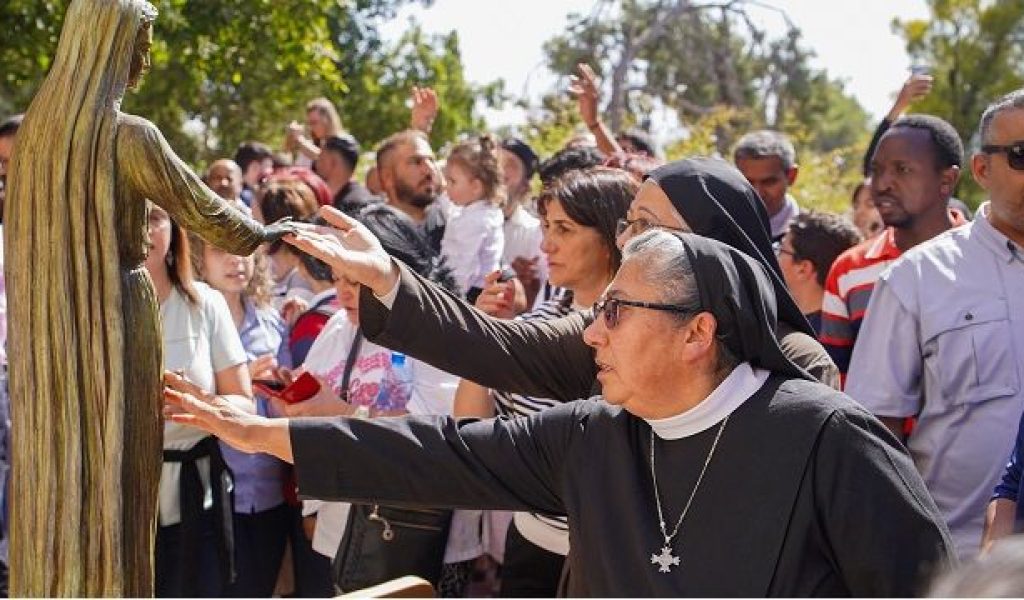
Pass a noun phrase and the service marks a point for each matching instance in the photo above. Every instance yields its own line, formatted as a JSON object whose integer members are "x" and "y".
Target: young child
{"x": 473, "y": 240}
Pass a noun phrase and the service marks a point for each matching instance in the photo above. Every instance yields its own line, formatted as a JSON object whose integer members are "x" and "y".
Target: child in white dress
{"x": 473, "y": 240}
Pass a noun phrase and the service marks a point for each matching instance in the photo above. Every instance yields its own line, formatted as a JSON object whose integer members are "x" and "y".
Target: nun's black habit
{"x": 807, "y": 493}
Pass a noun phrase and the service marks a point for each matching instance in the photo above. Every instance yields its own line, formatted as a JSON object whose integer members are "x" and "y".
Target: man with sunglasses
{"x": 941, "y": 341}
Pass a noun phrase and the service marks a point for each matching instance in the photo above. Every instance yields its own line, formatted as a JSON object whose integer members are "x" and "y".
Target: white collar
{"x": 741, "y": 384}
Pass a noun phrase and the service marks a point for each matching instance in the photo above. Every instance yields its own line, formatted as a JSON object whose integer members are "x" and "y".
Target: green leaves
{"x": 227, "y": 71}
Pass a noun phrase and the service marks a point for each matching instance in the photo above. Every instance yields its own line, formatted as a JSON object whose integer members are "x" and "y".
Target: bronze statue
{"x": 84, "y": 343}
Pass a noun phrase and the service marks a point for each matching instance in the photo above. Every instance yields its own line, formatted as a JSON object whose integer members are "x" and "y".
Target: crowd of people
{"x": 596, "y": 373}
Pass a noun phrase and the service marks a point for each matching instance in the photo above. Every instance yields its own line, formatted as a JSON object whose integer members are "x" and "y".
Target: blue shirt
{"x": 259, "y": 478}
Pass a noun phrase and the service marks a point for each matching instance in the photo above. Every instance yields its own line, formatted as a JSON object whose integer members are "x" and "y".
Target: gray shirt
{"x": 941, "y": 342}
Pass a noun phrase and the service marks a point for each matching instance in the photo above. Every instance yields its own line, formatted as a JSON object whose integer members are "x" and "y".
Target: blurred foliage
{"x": 234, "y": 70}
{"x": 730, "y": 62}
{"x": 975, "y": 51}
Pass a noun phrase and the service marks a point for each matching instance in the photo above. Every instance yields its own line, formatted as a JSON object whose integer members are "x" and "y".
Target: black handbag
{"x": 382, "y": 543}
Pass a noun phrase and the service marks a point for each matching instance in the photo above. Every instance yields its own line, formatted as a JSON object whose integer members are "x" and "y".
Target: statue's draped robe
{"x": 85, "y": 354}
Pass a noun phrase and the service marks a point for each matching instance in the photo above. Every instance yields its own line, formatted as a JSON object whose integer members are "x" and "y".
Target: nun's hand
{"x": 349, "y": 248}
{"x": 188, "y": 404}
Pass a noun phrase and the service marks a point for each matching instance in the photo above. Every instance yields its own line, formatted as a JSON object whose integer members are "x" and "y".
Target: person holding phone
{"x": 261, "y": 517}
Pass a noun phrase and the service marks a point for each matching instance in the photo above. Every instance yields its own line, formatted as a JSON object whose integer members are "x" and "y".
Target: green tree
{"x": 379, "y": 81}
{"x": 975, "y": 51}
{"x": 233, "y": 70}
{"x": 730, "y": 62}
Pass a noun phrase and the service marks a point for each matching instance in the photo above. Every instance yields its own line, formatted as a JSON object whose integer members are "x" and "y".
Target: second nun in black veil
{"x": 731, "y": 474}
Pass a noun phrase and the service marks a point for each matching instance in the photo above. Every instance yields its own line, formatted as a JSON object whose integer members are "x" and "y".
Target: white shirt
{"x": 942, "y": 341}
{"x": 433, "y": 393}
{"x": 523, "y": 236}
{"x": 201, "y": 340}
{"x": 473, "y": 242}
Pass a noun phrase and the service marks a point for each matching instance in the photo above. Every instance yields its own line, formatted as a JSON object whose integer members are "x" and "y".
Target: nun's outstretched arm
{"x": 543, "y": 358}
{"x": 188, "y": 404}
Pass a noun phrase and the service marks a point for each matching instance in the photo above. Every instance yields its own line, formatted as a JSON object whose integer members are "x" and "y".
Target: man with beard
{"x": 411, "y": 181}
{"x": 914, "y": 171}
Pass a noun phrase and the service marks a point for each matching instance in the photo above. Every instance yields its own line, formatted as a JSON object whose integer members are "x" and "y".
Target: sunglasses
{"x": 610, "y": 307}
{"x": 641, "y": 225}
{"x": 1014, "y": 153}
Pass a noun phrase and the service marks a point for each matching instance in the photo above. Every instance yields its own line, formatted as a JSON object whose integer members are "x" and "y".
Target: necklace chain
{"x": 657, "y": 495}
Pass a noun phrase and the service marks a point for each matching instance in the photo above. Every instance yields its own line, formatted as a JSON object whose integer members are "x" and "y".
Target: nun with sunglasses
{"x": 731, "y": 474}
{"x": 549, "y": 359}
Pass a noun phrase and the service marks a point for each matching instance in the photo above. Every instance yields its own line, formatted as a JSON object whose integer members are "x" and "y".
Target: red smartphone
{"x": 303, "y": 388}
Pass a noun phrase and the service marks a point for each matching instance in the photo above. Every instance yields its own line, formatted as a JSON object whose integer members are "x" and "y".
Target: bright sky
{"x": 504, "y": 39}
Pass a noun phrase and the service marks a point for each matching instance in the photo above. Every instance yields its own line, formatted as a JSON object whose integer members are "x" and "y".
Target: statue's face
{"x": 140, "y": 56}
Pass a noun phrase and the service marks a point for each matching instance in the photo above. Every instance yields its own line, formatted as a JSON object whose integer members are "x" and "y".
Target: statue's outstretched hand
{"x": 278, "y": 229}
{"x": 349, "y": 248}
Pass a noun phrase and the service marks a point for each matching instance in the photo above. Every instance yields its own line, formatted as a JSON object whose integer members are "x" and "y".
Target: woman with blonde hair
{"x": 322, "y": 122}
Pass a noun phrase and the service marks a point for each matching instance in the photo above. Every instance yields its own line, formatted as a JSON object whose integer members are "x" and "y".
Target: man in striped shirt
{"x": 915, "y": 169}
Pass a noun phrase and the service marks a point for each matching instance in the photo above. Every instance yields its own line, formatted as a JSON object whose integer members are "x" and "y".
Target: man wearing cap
{"x": 522, "y": 230}
{"x": 339, "y": 156}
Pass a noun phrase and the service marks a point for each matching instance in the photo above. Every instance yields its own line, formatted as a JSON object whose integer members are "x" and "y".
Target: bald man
{"x": 225, "y": 178}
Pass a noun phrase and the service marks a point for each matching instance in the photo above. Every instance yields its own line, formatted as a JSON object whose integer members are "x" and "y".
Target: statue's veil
{"x": 63, "y": 289}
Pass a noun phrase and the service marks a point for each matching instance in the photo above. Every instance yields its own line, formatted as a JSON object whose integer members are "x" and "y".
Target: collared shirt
{"x": 942, "y": 343}
{"x": 743, "y": 382}
{"x": 259, "y": 478}
{"x": 780, "y": 221}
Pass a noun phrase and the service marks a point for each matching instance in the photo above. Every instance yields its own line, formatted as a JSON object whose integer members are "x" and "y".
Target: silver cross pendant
{"x": 665, "y": 560}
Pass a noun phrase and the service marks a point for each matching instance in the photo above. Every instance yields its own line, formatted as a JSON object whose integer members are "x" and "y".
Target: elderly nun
{"x": 710, "y": 466}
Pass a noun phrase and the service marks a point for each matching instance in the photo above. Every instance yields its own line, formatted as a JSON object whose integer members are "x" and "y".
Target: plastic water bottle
{"x": 397, "y": 385}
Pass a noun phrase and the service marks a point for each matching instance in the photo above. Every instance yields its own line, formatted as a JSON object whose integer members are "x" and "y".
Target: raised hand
{"x": 349, "y": 248}
{"x": 917, "y": 86}
{"x": 424, "y": 108}
{"x": 584, "y": 86}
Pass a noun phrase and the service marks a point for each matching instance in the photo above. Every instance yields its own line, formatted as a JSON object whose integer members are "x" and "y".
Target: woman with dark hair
{"x": 194, "y": 544}
{"x": 579, "y": 213}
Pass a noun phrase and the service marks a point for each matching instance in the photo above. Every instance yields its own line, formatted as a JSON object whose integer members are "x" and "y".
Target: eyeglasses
{"x": 641, "y": 225}
{"x": 780, "y": 250}
{"x": 1014, "y": 153}
{"x": 610, "y": 307}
